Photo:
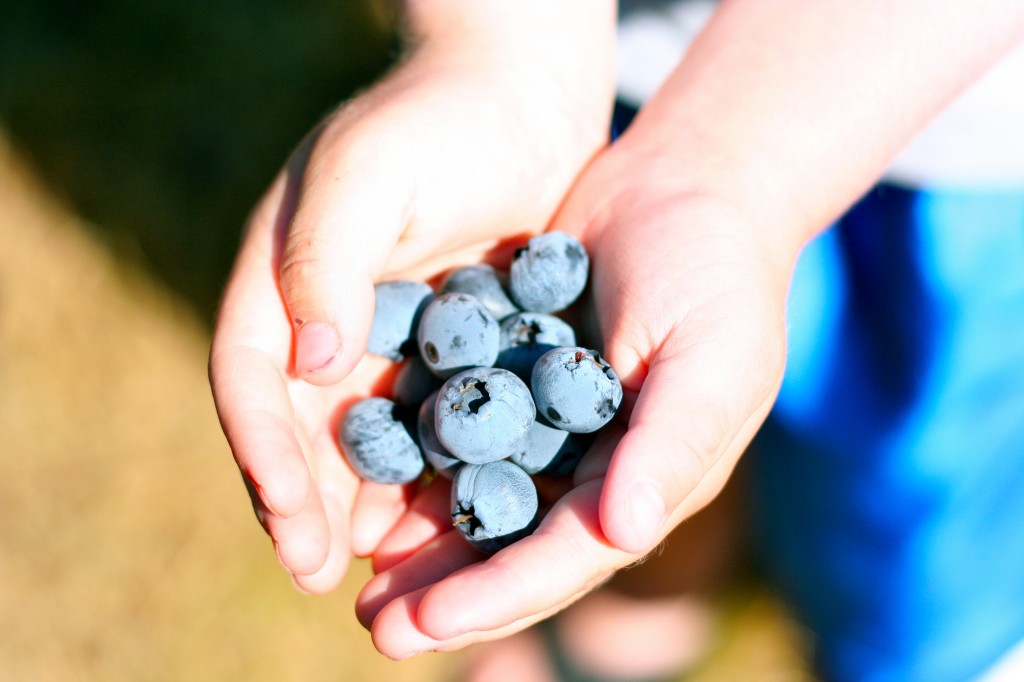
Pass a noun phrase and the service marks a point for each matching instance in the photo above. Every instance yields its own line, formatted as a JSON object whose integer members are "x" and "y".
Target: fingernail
{"x": 646, "y": 514}
{"x": 316, "y": 345}
{"x": 261, "y": 496}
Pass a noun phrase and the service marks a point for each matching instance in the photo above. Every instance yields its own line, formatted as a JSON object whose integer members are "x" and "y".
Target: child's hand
{"x": 474, "y": 139}
{"x": 759, "y": 138}
{"x": 690, "y": 302}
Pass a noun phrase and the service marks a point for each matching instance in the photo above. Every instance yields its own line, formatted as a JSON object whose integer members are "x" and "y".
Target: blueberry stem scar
{"x": 529, "y": 330}
{"x": 474, "y": 405}
{"x": 466, "y": 516}
{"x": 580, "y": 355}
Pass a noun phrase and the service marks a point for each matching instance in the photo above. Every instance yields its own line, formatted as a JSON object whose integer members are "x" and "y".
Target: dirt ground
{"x": 127, "y": 547}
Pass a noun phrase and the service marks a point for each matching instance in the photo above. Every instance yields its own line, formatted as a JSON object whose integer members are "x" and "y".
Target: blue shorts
{"x": 891, "y": 472}
{"x": 889, "y": 478}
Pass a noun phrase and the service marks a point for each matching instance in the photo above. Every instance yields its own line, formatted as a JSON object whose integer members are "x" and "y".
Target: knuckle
{"x": 706, "y": 434}
{"x": 298, "y": 270}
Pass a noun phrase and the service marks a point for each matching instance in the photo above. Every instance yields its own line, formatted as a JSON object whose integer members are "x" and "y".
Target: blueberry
{"x": 551, "y": 452}
{"x": 493, "y": 504}
{"x": 397, "y": 309}
{"x": 414, "y": 382}
{"x": 483, "y": 283}
{"x": 456, "y": 333}
{"x": 549, "y": 273}
{"x": 483, "y": 414}
{"x": 378, "y": 445}
{"x": 439, "y": 458}
{"x": 575, "y": 389}
{"x": 527, "y": 336}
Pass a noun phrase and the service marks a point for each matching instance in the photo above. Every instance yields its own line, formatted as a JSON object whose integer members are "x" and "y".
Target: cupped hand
{"x": 439, "y": 164}
{"x": 689, "y": 293}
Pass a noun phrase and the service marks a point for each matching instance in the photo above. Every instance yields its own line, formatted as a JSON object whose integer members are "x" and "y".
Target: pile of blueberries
{"x": 495, "y": 388}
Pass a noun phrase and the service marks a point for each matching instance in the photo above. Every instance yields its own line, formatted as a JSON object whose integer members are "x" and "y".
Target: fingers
{"x": 565, "y": 556}
{"x": 377, "y": 508}
{"x": 413, "y": 556}
{"x": 594, "y": 464}
{"x": 436, "y": 560}
{"x": 302, "y": 541}
{"x": 348, "y": 217}
{"x": 429, "y": 516}
{"x": 396, "y": 635}
{"x": 247, "y": 361}
{"x": 443, "y": 597}
{"x": 335, "y": 563}
{"x": 255, "y": 412}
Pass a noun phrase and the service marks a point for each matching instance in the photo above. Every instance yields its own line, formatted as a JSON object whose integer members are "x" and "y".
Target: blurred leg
{"x": 890, "y": 473}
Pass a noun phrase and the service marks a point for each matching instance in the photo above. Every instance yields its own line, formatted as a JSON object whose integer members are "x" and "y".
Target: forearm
{"x": 789, "y": 110}
{"x": 569, "y": 43}
{"x": 509, "y": 23}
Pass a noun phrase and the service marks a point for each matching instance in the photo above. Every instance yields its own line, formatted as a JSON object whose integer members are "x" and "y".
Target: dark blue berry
{"x": 575, "y": 389}
{"x": 551, "y": 452}
{"x": 396, "y": 314}
{"x": 549, "y": 274}
{"x": 442, "y": 460}
{"x": 456, "y": 333}
{"x": 414, "y": 382}
{"x": 483, "y": 283}
{"x": 527, "y": 336}
{"x": 494, "y": 504}
{"x": 483, "y": 414}
{"x": 377, "y": 443}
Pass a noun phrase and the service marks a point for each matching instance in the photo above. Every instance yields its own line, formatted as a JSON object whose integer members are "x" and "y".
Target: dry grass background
{"x": 127, "y": 547}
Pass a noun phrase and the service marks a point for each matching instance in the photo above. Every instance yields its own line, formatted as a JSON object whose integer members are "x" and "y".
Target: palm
{"x": 692, "y": 322}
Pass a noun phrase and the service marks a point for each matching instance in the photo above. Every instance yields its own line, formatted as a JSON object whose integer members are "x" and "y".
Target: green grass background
{"x": 162, "y": 121}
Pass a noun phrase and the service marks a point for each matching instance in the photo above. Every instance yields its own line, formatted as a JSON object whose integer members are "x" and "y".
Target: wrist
{"x": 658, "y": 187}
{"x": 793, "y": 126}
{"x": 470, "y": 137}
{"x": 711, "y": 170}
{"x": 555, "y": 51}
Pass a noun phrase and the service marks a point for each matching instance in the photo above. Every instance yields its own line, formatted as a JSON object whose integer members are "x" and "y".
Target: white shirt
{"x": 978, "y": 140}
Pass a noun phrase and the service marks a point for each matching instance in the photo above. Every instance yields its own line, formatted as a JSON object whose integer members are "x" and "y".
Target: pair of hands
{"x": 438, "y": 167}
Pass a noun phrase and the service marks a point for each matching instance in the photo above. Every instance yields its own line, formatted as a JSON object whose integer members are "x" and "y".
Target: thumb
{"x": 343, "y": 230}
{"x": 706, "y": 393}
